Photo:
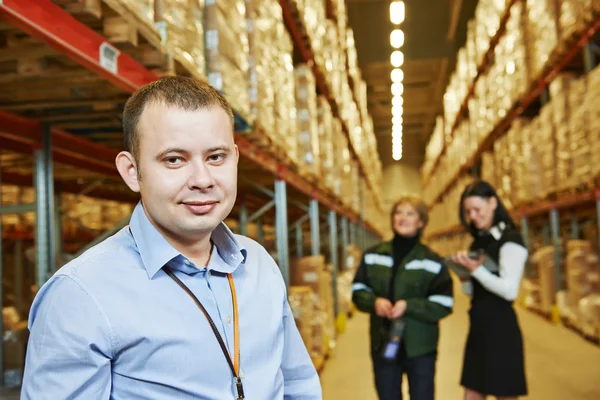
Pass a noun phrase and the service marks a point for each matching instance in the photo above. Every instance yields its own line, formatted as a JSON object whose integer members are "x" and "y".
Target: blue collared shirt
{"x": 112, "y": 325}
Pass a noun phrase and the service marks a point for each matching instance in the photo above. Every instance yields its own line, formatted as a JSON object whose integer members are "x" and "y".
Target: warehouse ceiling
{"x": 434, "y": 31}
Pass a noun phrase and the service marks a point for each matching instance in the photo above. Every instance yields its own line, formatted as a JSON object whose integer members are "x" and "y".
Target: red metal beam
{"x": 519, "y": 108}
{"x": 22, "y": 135}
{"x": 50, "y": 24}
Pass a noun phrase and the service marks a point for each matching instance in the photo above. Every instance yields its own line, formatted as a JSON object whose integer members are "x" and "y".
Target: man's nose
{"x": 201, "y": 177}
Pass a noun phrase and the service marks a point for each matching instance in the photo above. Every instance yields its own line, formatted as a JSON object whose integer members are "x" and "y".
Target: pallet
{"x": 258, "y": 136}
{"x": 544, "y": 314}
{"x": 319, "y": 363}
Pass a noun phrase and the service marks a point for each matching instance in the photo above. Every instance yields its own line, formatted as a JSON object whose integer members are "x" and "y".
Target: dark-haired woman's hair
{"x": 485, "y": 190}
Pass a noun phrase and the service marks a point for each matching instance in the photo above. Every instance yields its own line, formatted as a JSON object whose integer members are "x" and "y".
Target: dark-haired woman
{"x": 493, "y": 361}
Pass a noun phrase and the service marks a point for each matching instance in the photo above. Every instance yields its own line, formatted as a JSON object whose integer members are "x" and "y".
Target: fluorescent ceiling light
{"x": 397, "y": 12}
{"x": 397, "y": 38}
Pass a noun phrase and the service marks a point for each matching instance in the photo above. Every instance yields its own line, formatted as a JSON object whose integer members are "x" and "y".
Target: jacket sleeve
{"x": 362, "y": 293}
{"x": 439, "y": 301}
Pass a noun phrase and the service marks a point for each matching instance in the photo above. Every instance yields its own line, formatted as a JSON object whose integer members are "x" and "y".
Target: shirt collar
{"x": 496, "y": 231}
{"x": 157, "y": 252}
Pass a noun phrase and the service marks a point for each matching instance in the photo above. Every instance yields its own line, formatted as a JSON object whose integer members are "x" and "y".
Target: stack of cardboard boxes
{"x": 311, "y": 273}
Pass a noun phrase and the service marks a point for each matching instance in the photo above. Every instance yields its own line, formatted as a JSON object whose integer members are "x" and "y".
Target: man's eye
{"x": 216, "y": 157}
{"x": 173, "y": 160}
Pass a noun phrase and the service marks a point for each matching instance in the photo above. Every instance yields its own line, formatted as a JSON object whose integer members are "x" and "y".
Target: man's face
{"x": 188, "y": 168}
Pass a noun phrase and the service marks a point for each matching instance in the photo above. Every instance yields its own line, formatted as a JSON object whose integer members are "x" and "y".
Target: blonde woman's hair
{"x": 417, "y": 203}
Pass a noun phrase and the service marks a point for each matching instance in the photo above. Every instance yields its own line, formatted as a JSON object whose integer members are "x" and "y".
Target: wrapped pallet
{"x": 589, "y": 315}
{"x": 326, "y": 151}
{"x": 561, "y": 113}
{"x": 285, "y": 99}
{"x": 582, "y": 271}
{"x": 263, "y": 16}
{"x": 179, "y": 24}
{"x": 302, "y": 301}
{"x": 592, "y": 101}
{"x": 312, "y": 14}
{"x": 341, "y": 156}
{"x": 308, "y": 131}
{"x": 542, "y": 34}
{"x": 227, "y": 52}
{"x": 579, "y": 135}
{"x": 543, "y": 261}
{"x": 573, "y": 16}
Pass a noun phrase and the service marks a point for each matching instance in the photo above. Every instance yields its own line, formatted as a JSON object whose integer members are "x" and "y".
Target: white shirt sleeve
{"x": 512, "y": 263}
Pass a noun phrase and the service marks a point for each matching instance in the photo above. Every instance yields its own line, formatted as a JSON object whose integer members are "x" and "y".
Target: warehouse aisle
{"x": 560, "y": 364}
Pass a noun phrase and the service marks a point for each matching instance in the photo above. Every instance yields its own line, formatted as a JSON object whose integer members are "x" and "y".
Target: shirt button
{"x": 187, "y": 262}
{"x": 242, "y": 374}
{"x": 229, "y": 320}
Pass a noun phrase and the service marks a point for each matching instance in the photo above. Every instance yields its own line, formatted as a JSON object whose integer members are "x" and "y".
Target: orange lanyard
{"x": 236, "y": 328}
{"x": 235, "y": 363}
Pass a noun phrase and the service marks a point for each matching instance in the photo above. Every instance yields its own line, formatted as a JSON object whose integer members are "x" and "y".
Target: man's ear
{"x": 128, "y": 169}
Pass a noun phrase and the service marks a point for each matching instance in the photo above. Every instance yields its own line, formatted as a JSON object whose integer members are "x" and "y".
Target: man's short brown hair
{"x": 417, "y": 203}
{"x": 178, "y": 91}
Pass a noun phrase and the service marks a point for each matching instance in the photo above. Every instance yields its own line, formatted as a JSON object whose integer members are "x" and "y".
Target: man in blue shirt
{"x": 174, "y": 306}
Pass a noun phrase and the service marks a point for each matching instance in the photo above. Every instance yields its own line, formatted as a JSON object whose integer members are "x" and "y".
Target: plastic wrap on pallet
{"x": 303, "y": 305}
{"x": 285, "y": 99}
{"x": 593, "y": 105}
{"x": 543, "y": 262}
{"x": 144, "y": 9}
{"x": 589, "y": 314}
{"x": 326, "y": 128}
{"x": 262, "y": 18}
{"x": 182, "y": 31}
{"x": 351, "y": 53}
{"x": 573, "y": 17}
{"x": 312, "y": 14}
{"x": 582, "y": 270}
{"x": 227, "y": 52}
{"x": 341, "y": 163}
{"x": 185, "y": 33}
{"x": 542, "y": 33}
{"x": 308, "y": 131}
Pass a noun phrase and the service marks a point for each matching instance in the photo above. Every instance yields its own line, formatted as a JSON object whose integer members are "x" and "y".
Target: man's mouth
{"x": 200, "y": 207}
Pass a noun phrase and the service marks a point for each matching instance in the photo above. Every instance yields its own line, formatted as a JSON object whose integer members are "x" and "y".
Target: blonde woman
{"x": 405, "y": 287}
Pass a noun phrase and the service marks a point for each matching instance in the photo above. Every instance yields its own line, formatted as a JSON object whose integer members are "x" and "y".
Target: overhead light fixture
{"x": 397, "y": 156}
{"x": 397, "y": 58}
{"x": 397, "y": 89}
{"x": 398, "y": 126}
{"x": 397, "y": 38}
{"x": 397, "y": 12}
{"x": 397, "y": 111}
{"x": 397, "y": 101}
{"x": 397, "y": 75}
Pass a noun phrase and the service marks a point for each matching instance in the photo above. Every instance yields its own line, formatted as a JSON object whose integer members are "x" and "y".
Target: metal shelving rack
{"x": 294, "y": 200}
{"x": 562, "y": 57}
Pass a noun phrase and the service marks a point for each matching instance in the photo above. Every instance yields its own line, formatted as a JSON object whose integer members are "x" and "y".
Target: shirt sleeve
{"x": 512, "y": 263}
{"x": 70, "y": 346}
{"x": 301, "y": 381}
{"x": 362, "y": 294}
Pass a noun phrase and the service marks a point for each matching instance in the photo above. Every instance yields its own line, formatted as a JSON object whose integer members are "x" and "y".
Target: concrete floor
{"x": 560, "y": 364}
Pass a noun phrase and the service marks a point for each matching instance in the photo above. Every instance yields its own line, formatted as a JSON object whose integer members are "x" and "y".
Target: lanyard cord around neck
{"x": 234, "y": 364}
